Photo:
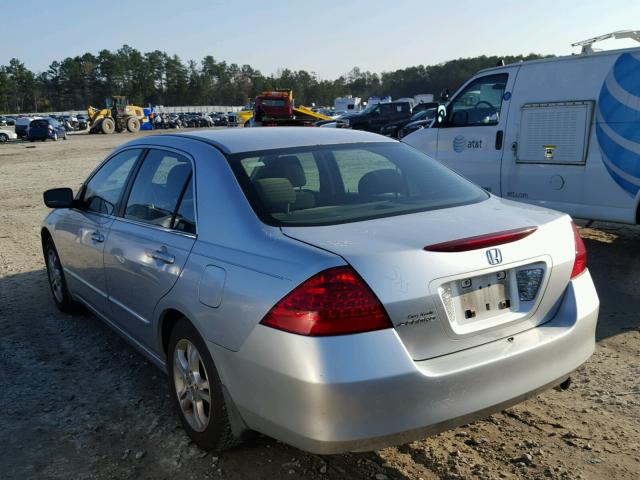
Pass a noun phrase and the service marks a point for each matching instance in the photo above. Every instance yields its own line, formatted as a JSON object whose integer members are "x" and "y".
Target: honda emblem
{"x": 494, "y": 256}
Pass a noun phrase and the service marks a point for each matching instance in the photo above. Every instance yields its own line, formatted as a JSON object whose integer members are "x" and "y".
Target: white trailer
{"x": 560, "y": 132}
{"x": 347, "y": 104}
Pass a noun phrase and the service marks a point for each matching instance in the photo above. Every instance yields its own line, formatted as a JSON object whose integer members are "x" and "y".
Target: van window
{"x": 479, "y": 103}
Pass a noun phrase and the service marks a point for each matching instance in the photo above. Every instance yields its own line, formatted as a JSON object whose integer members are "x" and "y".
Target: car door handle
{"x": 97, "y": 237}
{"x": 163, "y": 256}
{"x": 499, "y": 138}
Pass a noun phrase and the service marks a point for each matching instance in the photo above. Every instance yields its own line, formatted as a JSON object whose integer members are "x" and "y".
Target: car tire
{"x": 57, "y": 282}
{"x": 206, "y": 419}
{"x": 4, "y": 138}
{"x": 65, "y": 136}
{"x": 55, "y": 137}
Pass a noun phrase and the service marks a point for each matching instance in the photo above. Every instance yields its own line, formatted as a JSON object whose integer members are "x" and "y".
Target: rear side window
{"x": 103, "y": 190}
{"x": 160, "y": 194}
{"x": 355, "y": 182}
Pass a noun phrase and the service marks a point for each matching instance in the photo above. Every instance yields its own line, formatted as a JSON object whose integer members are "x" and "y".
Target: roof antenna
{"x": 500, "y": 63}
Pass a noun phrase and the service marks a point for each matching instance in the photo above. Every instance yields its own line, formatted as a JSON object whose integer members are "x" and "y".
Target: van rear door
{"x": 471, "y": 140}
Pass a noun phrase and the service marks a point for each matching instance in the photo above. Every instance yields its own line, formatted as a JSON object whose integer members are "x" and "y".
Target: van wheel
{"x": 197, "y": 391}
{"x": 58, "y": 284}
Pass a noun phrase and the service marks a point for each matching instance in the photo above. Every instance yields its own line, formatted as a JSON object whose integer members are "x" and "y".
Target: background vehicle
{"x": 44, "y": 129}
{"x": 22, "y": 125}
{"x": 376, "y": 115}
{"x": 348, "y": 104}
{"x": 559, "y": 132}
{"x": 410, "y": 299}
{"x": 278, "y": 109}
{"x": 7, "y": 134}
{"x": 392, "y": 129}
{"x": 7, "y": 121}
{"x": 118, "y": 116}
{"x": 425, "y": 120}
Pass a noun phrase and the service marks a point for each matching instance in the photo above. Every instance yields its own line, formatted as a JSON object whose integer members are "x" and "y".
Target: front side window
{"x": 354, "y": 182}
{"x": 102, "y": 192}
{"x": 159, "y": 189}
{"x": 479, "y": 103}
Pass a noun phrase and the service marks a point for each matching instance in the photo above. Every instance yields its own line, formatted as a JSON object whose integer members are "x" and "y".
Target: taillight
{"x": 481, "y": 241}
{"x": 580, "y": 263}
{"x": 335, "y": 301}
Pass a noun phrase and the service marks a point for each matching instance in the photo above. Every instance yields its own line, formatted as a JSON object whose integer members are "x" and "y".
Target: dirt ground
{"x": 76, "y": 401}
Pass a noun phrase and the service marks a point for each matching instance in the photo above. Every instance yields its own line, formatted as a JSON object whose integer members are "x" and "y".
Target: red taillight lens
{"x": 580, "y": 263}
{"x": 481, "y": 241}
{"x": 333, "y": 302}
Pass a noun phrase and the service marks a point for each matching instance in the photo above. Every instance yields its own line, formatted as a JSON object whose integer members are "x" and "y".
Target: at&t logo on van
{"x": 459, "y": 144}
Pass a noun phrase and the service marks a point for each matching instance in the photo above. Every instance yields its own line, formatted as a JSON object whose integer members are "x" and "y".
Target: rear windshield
{"x": 327, "y": 185}
{"x": 39, "y": 123}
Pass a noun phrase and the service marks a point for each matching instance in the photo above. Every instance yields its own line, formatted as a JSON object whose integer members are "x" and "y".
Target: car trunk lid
{"x": 441, "y": 301}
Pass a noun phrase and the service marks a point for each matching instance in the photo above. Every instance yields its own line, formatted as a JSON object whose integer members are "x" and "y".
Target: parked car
{"x": 423, "y": 122}
{"x": 391, "y": 129}
{"x": 22, "y": 125}
{"x": 7, "y": 121}
{"x": 7, "y": 134}
{"x": 44, "y": 129}
{"x": 359, "y": 293}
{"x": 373, "y": 118}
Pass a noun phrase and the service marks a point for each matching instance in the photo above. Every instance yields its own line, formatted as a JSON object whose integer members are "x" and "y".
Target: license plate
{"x": 477, "y": 298}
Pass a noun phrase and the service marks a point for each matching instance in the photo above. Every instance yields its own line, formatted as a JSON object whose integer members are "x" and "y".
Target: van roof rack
{"x": 587, "y": 45}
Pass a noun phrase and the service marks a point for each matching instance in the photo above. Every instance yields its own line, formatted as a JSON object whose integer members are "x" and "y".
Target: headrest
{"x": 177, "y": 176}
{"x": 277, "y": 194}
{"x": 380, "y": 181}
{"x": 288, "y": 166}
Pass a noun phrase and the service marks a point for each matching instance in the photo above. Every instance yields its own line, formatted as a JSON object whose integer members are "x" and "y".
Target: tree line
{"x": 157, "y": 78}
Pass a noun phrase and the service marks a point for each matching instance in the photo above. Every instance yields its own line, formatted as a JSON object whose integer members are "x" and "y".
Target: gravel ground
{"x": 79, "y": 402}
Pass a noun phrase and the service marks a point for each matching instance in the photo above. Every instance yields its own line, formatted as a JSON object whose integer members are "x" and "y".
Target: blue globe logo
{"x": 618, "y": 122}
{"x": 459, "y": 144}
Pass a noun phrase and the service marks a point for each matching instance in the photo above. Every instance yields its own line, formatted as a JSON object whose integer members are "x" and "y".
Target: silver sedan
{"x": 334, "y": 289}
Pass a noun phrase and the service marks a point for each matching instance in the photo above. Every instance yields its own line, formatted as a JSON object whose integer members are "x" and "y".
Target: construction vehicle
{"x": 278, "y": 109}
{"x": 118, "y": 116}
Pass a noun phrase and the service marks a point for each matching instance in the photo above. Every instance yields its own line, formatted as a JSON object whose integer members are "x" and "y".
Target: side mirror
{"x": 441, "y": 114}
{"x": 444, "y": 94}
{"x": 58, "y": 198}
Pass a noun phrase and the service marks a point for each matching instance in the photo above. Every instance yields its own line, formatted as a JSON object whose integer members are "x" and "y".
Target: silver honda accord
{"x": 334, "y": 289}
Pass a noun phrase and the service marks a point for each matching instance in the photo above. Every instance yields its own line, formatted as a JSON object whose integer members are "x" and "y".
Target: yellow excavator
{"x": 118, "y": 116}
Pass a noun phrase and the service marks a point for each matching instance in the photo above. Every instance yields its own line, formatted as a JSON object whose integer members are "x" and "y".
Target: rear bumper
{"x": 361, "y": 392}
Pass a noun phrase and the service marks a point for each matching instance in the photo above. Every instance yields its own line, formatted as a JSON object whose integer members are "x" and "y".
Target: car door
{"x": 471, "y": 140}
{"x": 385, "y": 115}
{"x": 150, "y": 240}
{"x": 81, "y": 232}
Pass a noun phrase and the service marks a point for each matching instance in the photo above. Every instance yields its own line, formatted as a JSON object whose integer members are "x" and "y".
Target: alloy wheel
{"x": 55, "y": 275}
{"x": 192, "y": 385}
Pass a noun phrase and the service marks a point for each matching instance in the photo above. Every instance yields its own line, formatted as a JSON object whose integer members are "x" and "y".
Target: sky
{"x": 328, "y": 37}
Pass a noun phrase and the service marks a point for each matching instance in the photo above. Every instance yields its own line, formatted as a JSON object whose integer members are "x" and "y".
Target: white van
{"x": 560, "y": 132}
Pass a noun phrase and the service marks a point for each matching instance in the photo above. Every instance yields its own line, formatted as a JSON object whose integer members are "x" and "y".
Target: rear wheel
{"x": 107, "y": 125}
{"x": 57, "y": 282}
{"x": 133, "y": 124}
{"x": 3, "y": 137}
{"x": 197, "y": 390}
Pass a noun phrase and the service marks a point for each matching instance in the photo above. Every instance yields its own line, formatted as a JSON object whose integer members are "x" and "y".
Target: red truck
{"x": 278, "y": 109}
